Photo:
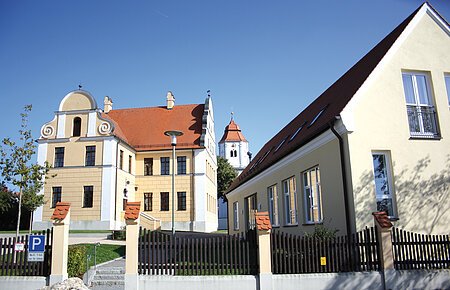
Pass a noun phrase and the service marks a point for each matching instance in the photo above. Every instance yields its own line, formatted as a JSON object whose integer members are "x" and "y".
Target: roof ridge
{"x": 155, "y": 107}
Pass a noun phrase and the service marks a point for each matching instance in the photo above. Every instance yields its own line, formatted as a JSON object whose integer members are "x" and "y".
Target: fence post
{"x": 132, "y": 210}
{"x": 263, "y": 227}
{"x": 384, "y": 234}
{"x": 60, "y": 242}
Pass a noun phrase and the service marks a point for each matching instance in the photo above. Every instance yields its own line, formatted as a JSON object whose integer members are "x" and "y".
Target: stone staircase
{"x": 109, "y": 276}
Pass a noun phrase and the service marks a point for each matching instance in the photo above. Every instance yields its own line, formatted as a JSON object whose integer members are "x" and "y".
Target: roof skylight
{"x": 298, "y": 131}
{"x": 317, "y": 116}
{"x": 279, "y": 145}
{"x": 265, "y": 155}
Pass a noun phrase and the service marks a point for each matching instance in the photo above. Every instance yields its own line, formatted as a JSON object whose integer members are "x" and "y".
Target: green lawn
{"x": 105, "y": 253}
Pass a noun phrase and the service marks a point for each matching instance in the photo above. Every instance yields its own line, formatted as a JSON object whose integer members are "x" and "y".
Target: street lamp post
{"x": 173, "y": 137}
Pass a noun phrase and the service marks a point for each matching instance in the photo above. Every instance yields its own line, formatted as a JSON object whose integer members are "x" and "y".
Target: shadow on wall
{"x": 423, "y": 201}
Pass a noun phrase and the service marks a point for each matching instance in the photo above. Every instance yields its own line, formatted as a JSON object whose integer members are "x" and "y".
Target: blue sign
{"x": 36, "y": 243}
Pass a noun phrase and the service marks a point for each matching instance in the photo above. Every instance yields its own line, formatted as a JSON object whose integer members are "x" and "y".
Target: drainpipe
{"x": 344, "y": 174}
{"x": 115, "y": 195}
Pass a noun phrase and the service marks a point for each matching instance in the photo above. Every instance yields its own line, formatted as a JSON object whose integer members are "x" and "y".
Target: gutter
{"x": 344, "y": 175}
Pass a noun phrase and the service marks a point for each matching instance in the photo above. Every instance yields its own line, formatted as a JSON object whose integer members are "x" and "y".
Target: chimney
{"x": 170, "y": 100}
{"x": 108, "y": 103}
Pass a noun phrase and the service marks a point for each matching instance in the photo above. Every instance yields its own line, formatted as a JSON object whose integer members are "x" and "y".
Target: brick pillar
{"x": 132, "y": 238}
{"x": 263, "y": 227}
{"x": 384, "y": 233}
{"x": 60, "y": 242}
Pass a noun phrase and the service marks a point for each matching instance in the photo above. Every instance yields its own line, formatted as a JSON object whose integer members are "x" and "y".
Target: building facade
{"x": 378, "y": 139}
{"x": 103, "y": 158}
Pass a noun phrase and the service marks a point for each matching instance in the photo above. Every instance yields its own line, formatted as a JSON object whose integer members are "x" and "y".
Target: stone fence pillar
{"x": 132, "y": 210}
{"x": 384, "y": 226}
{"x": 60, "y": 242}
{"x": 263, "y": 227}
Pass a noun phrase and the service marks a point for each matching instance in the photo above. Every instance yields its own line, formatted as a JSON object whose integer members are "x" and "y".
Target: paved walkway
{"x": 87, "y": 238}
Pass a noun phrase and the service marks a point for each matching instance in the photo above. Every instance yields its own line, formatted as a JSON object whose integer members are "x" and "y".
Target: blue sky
{"x": 263, "y": 60}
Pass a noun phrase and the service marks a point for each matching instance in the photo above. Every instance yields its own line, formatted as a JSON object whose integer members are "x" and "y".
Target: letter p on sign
{"x": 37, "y": 243}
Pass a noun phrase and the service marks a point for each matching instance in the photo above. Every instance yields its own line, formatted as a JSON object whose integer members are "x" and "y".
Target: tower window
{"x": 76, "y": 127}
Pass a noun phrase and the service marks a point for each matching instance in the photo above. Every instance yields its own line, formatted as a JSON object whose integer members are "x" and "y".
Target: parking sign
{"x": 37, "y": 243}
{"x": 36, "y": 248}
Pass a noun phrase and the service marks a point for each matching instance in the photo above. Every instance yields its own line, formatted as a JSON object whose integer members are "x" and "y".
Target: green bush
{"x": 321, "y": 232}
{"x": 119, "y": 235}
{"x": 76, "y": 265}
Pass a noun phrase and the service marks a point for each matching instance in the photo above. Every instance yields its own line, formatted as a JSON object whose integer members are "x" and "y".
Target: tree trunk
{"x": 31, "y": 223}
{"x": 19, "y": 213}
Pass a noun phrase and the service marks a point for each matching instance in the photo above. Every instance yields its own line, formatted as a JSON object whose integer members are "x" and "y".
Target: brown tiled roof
{"x": 61, "y": 210}
{"x": 263, "y": 221}
{"x": 132, "y": 210}
{"x": 143, "y": 128}
{"x": 232, "y": 133}
{"x": 382, "y": 219}
{"x": 317, "y": 117}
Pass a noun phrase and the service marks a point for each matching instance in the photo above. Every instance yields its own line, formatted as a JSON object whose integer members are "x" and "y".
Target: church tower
{"x": 234, "y": 147}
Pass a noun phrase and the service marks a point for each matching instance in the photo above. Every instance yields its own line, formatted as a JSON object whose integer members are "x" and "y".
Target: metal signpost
{"x": 36, "y": 248}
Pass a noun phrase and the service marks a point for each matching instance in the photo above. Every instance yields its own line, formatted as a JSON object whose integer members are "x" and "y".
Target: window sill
{"x": 291, "y": 225}
{"x": 425, "y": 137}
{"x": 312, "y": 223}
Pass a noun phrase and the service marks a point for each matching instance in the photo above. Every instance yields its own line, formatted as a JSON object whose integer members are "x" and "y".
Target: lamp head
{"x": 173, "y": 136}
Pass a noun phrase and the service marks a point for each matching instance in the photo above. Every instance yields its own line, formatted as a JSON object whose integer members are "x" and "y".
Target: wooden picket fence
{"x": 419, "y": 251}
{"x": 16, "y": 263}
{"x": 292, "y": 254}
{"x": 164, "y": 254}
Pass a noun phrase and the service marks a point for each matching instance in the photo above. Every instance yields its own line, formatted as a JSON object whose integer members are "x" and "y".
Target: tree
{"x": 225, "y": 175}
{"x": 17, "y": 169}
{"x": 6, "y": 199}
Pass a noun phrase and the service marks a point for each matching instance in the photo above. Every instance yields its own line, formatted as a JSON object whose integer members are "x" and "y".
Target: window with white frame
{"x": 447, "y": 85}
{"x": 273, "y": 205}
{"x": 419, "y": 104}
{"x": 236, "y": 215}
{"x": 383, "y": 183}
{"x": 290, "y": 201}
{"x": 312, "y": 195}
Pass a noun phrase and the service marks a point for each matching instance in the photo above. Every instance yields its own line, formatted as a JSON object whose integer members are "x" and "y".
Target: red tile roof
{"x": 132, "y": 210}
{"x": 61, "y": 210}
{"x": 383, "y": 219}
{"x": 263, "y": 221}
{"x": 321, "y": 113}
{"x": 232, "y": 133}
{"x": 143, "y": 128}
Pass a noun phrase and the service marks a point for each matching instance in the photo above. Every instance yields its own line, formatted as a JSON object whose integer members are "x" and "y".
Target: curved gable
{"x": 78, "y": 100}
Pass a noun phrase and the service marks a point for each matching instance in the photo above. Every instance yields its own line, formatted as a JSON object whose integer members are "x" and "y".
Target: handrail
{"x": 147, "y": 216}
